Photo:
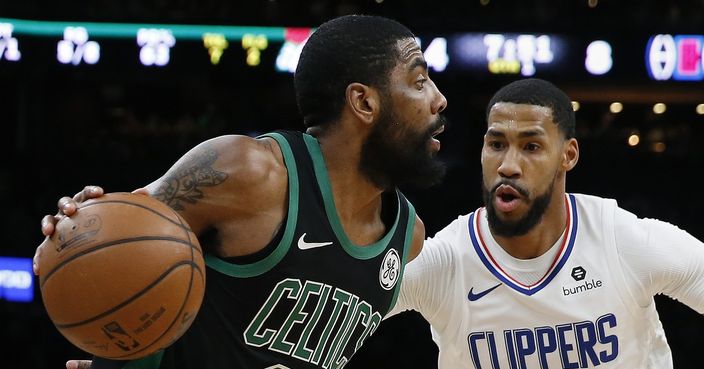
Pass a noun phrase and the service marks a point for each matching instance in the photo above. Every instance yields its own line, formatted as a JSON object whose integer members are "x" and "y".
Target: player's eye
{"x": 420, "y": 82}
{"x": 495, "y": 145}
{"x": 532, "y": 147}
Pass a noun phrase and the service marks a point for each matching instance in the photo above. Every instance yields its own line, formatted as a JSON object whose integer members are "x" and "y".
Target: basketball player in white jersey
{"x": 541, "y": 278}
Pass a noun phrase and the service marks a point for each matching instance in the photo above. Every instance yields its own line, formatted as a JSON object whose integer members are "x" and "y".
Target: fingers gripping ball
{"x": 123, "y": 277}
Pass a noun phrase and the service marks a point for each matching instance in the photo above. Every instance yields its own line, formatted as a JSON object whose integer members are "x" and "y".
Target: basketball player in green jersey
{"x": 305, "y": 235}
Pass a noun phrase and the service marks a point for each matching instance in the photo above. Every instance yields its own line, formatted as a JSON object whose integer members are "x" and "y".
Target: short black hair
{"x": 344, "y": 50}
{"x": 536, "y": 91}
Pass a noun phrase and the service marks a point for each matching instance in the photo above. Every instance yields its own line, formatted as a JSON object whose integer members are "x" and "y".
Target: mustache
{"x": 440, "y": 122}
{"x": 513, "y": 184}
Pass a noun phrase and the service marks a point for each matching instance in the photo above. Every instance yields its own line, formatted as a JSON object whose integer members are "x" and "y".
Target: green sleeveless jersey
{"x": 311, "y": 300}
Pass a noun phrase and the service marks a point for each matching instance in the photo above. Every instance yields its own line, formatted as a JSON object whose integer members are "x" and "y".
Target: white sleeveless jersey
{"x": 580, "y": 314}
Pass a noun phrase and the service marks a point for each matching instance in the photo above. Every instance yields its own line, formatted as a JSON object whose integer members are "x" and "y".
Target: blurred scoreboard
{"x": 677, "y": 57}
{"x": 16, "y": 279}
{"x": 657, "y": 58}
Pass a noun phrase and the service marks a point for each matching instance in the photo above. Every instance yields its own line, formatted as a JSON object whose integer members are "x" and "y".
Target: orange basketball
{"x": 123, "y": 277}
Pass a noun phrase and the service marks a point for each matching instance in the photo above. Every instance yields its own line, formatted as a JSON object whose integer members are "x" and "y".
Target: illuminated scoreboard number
{"x": 675, "y": 57}
{"x": 76, "y": 48}
{"x": 155, "y": 46}
{"x": 287, "y": 59}
{"x": 290, "y": 51}
{"x": 506, "y": 53}
{"x": 517, "y": 54}
{"x": 436, "y": 54}
{"x": 216, "y": 43}
{"x": 9, "y": 48}
{"x": 598, "y": 59}
{"x": 254, "y": 45}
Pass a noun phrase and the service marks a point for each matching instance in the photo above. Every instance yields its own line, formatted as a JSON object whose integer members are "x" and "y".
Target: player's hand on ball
{"x": 67, "y": 206}
{"x": 157, "y": 258}
{"x": 78, "y": 364}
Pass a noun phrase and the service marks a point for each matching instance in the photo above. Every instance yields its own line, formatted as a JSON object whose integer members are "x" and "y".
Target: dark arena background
{"x": 112, "y": 93}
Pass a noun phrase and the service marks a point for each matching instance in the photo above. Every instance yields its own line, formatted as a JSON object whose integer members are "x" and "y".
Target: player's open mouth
{"x": 438, "y": 131}
{"x": 507, "y": 198}
{"x": 434, "y": 142}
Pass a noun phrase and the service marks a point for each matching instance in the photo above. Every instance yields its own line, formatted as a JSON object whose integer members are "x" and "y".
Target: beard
{"x": 391, "y": 158}
{"x": 523, "y": 225}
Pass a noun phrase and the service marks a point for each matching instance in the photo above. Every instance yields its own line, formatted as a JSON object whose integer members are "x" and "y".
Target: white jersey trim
{"x": 490, "y": 263}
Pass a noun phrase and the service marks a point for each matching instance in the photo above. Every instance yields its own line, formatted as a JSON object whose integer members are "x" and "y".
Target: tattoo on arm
{"x": 184, "y": 185}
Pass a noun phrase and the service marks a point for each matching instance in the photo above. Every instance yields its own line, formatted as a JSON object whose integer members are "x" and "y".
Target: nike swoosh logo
{"x": 476, "y": 296}
{"x": 303, "y": 245}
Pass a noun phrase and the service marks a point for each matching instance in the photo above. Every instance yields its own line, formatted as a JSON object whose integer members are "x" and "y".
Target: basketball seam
{"x": 194, "y": 265}
{"x": 140, "y": 206}
{"x": 188, "y": 298}
{"x": 185, "y": 300}
{"x": 113, "y": 243}
{"x": 129, "y": 300}
{"x": 170, "y": 325}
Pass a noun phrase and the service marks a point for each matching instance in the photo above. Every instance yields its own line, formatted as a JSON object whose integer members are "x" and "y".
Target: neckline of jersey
{"x": 323, "y": 179}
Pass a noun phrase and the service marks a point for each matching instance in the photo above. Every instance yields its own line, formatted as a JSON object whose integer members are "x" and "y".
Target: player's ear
{"x": 363, "y": 101}
{"x": 570, "y": 155}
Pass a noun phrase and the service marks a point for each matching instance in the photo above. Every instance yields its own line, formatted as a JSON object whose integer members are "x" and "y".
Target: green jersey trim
{"x": 264, "y": 265}
{"x": 152, "y": 361}
{"x": 406, "y": 248}
{"x": 321, "y": 174}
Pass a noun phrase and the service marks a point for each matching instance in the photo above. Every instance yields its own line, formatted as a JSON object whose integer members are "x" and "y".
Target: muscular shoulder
{"x": 223, "y": 177}
{"x": 250, "y": 163}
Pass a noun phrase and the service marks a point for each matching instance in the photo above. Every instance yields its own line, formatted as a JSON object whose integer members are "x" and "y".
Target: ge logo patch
{"x": 390, "y": 270}
{"x": 578, "y": 273}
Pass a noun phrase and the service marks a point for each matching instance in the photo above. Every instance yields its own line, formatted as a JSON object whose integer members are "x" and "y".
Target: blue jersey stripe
{"x": 522, "y": 289}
